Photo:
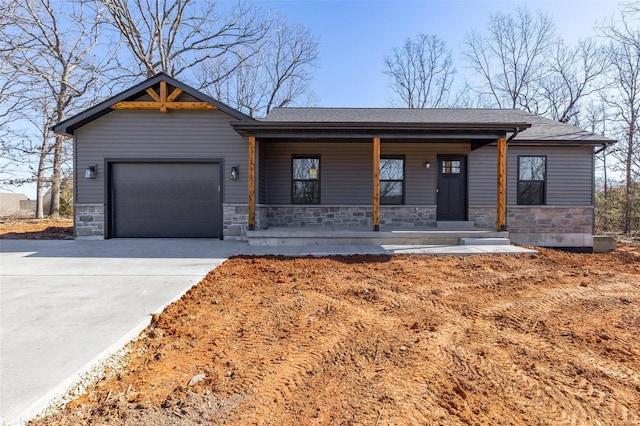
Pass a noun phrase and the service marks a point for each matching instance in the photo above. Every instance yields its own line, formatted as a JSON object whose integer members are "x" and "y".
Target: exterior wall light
{"x": 427, "y": 165}
{"x": 91, "y": 172}
{"x": 235, "y": 173}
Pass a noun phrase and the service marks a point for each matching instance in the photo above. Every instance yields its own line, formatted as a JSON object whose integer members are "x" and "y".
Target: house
{"x": 13, "y": 205}
{"x": 162, "y": 159}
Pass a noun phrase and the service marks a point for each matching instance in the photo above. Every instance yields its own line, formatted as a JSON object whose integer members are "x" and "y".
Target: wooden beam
{"x": 161, "y": 105}
{"x": 501, "y": 204}
{"x": 376, "y": 184}
{"x": 174, "y": 95}
{"x": 188, "y": 105}
{"x": 163, "y": 96}
{"x": 252, "y": 183}
{"x": 161, "y": 101}
{"x": 153, "y": 94}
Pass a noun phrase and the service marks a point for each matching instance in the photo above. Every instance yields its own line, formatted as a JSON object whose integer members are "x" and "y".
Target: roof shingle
{"x": 542, "y": 129}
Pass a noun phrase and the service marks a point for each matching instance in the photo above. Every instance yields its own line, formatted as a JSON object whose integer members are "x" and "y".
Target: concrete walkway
{"x": 65, "y": 306}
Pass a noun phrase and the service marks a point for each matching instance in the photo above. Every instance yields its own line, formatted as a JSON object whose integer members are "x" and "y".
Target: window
{"x": 532, "y": 176}
{"x": 451, "y": 167}
{"x": 305, "y": 180}
{"x": 392, "y": 180}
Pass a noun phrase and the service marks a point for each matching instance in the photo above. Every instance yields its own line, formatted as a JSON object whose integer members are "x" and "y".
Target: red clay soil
{"x": 36, "y": 229}
{"x": 377, "y": 340}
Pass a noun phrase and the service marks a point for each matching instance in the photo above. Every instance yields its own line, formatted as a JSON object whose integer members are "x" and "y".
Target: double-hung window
{"x": 532, "y": 180}
{"x": 392, "y": 180}
{"x": 305, "y": 180}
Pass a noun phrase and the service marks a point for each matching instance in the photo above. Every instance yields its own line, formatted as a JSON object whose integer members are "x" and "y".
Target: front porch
{"x": 360, "y": 171}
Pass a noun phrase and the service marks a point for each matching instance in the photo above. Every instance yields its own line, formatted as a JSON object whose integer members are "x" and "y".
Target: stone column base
{"x": 89, "y": 222}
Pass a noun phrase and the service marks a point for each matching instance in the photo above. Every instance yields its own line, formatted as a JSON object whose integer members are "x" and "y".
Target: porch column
{"x": 501, "y": 205}
{"x": 252, "y": 183}
{"x": 376, "y": 184}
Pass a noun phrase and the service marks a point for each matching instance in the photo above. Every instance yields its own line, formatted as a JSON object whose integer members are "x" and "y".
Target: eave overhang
{"x": 564, "y": 142}
{"x": 368, "y": 130}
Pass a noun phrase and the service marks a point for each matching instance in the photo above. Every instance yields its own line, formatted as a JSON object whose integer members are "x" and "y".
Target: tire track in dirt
{"x": 291, "y": 373}
{"x": 543, "y": 301}
{"x": 559, "y": 378}
{"x": 354, "y": 319}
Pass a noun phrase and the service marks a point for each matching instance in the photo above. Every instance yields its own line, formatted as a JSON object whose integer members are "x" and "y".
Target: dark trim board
{"x": 109, "y": 163}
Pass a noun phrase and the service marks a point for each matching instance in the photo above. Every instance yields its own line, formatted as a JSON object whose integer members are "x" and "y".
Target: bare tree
{"x": 274, "y": 73}
{"x": 420, "y": 72}
{"x": 624, "y": 101}
{"x": 50, "y": 46}
{"x": 594, "y": 117}
{"x": 509, "y": 57}
{"x": 10, "y": 106}
{"x": 175, "y": 35}
{"x": 574, "y": 74}
{"x": 10, "y": 92}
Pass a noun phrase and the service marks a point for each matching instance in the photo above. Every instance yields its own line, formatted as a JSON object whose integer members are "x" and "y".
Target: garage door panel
{"x": 165, "y": 200}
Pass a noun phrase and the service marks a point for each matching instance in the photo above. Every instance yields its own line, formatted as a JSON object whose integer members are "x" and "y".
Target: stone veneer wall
{"x": 235, "y": 221}
{"x": 89, "y": 221}
{"x": 345, "y": 216}
{"x": 541, "y": 225}
{"x": 408, "y": 216}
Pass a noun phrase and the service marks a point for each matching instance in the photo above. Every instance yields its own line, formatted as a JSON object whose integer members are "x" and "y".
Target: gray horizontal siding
{"x": 262, "y": 172}
{"x": 345, "y": 170}
{"x": 569, "y": 175}
{"x": 152, "y": 134}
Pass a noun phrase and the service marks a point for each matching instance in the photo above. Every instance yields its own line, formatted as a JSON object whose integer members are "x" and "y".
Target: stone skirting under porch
{"x": 287, "y": 215}
{"x": 546, "y": 226}
{"x": 550, "y": 226}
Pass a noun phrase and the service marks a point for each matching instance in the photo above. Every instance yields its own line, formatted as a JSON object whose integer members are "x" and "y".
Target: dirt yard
{"x": 36, "y": 229}
{"x": 374, "y": 340}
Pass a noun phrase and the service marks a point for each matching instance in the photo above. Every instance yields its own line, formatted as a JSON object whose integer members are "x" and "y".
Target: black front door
{"x": 452, "y": 187}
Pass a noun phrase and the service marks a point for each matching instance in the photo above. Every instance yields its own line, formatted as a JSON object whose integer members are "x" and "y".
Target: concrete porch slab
{"x": 484, "y": 241}
{"x": 304, "y": 236}
{"x": 385, "y": 249}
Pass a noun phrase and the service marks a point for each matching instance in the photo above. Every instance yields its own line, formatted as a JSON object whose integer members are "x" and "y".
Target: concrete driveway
{"x": 66, "y": 305}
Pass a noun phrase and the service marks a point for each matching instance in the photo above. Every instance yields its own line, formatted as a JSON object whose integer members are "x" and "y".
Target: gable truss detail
{"x": 162, "y": 101}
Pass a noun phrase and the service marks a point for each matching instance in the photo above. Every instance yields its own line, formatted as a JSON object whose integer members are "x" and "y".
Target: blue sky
{"x": 355, "y": 35}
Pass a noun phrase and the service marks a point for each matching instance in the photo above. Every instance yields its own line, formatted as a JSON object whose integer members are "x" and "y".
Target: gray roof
{"x": 541, "y": 130}
{"x": 69, "y": 125}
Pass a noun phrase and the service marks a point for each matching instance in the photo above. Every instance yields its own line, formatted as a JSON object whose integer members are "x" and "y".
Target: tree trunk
{"x": 39, "y": 203}
{"x": 628, "y": 204}
{"x": 56, "y": 178}
{"x": 40, "y": 179}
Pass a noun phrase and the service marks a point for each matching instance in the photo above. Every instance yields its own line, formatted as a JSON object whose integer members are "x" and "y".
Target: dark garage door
{"x": 165, "y": 200}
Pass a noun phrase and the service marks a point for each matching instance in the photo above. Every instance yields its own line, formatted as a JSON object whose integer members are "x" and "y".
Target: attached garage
{"x": 162, "y": 199}
{"x": 159, "y": 160}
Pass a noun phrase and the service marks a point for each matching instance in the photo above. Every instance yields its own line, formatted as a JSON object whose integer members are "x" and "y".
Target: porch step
{"x": 485, "y": 241}
{"x": 308, "y": 237}
{"x": 456, "y": 225}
